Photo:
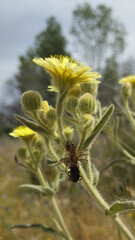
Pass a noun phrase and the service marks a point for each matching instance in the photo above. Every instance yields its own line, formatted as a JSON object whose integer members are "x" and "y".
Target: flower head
{"x": 46, "y": 106}
{"x": 22, "y": 131}
{"x": 128, "y": 79}
{"x": 66, "y": 72}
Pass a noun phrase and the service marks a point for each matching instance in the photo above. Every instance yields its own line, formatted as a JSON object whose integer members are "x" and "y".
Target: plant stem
{"x": 49, "y": 146}
{"x": 42, "y": 177}
{"x": 124, "y": 228}
{"x": 92, "y": 190}
{"x": 94, "y": 193}
{"x": 59, "y": 111}
{"x": 54, "y": 204}
{"x": 60, "y": 218}
{"x": 129, "y": 113}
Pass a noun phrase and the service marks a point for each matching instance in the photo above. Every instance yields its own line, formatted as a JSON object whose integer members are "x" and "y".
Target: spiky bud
{"x": 76, "y": 91}
{"x": 90, "y": 88}
{"x": 51, "y": 115}
{"x": 31, "y": 101}
{"x": 71, "y": 103}
{"x": 87, "y": 104}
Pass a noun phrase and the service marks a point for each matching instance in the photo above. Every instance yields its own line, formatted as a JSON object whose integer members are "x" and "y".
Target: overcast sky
{"x": 21, "y": 21}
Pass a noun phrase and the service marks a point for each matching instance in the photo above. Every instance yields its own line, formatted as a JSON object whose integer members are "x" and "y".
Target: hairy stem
{"x": 60, "y": 218}
{"x": 94, "y": 193}
{"x": 54, "y": 205}
{"x": 59, "y": 112}
{"x": 53, "y": 153}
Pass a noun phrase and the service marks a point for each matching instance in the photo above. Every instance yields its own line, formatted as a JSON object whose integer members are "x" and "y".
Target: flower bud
{"x": 22, "y": 152}
{"x": 40, "y": 143}
{"x": 36, "y": 155}
{"x": 88, "y": 118}
{"x": 68, "y": 131}
{"x": 31, "y": 101}
{"x": 126, "y": 90}
{"x": 76, "y": 91}
{"x": 87, "y": 104}
{"x": 51, "y": 115}
{"x": 71, "y": 103}
{"x": 88, "y": 121}
{"x": 90, "y": 88}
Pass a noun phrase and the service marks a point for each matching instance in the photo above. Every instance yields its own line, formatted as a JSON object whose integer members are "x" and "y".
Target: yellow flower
{"x": 22, "y": 131}
{"x": 128, "y": 79}
{"x": 46, "y": 106}
{"x": 66, "y": 72}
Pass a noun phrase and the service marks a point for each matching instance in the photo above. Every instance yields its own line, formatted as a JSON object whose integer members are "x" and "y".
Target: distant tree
{"x": 97, "y": 34}
{"x": 108, "y": 87}
{"x": 50, "y": 41}
{"x": 127, "y": 67}
{"x": 101, "y": 39}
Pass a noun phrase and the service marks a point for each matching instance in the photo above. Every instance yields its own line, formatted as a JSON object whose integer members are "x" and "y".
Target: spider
{"x": 72, "y": 161}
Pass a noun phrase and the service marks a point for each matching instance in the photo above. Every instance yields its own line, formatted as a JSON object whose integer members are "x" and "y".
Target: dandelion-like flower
{"x": 128, "y": 79}
{"x": 22, "y": 131}
{"x": 66, "y": 72}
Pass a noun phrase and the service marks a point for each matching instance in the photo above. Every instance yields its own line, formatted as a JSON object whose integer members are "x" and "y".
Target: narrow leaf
{"x": 120, "y": 206}
{"x": 29, "y": 123}
{"x": 39, "y": 226}
{"x": 98, "y": 128}
{"x": 35, "y": 127}
{"x": 127, "y": 148}
{"x": 45, "y": 191}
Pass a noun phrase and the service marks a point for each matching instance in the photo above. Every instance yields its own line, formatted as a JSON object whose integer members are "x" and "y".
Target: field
{"x": 83, "y": 217}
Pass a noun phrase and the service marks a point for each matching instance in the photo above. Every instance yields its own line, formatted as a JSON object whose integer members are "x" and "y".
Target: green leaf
{"x": 120, "y": 206}
{"x": 35, "y": 127}
{"x": 39, "y": 226}
{"x": 98, "y": 128}
{"x": 29, "y": 123}
{"x": 46, "y": 191}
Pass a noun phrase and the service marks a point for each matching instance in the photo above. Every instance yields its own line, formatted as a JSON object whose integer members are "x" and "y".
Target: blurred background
{"x": 100, "y": 34}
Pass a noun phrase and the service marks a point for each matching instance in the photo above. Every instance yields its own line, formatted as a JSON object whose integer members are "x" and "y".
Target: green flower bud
{"x": 76, "y": 91}
{"x": 31, "y": 101}
{"x": 88, "y": 118}
{"x": 126, "y": 90}
{"x": 88, "y": 121}
{"x": 22, "y": 152}
{"x": 36, "y": 155}
{"x": 68, "y": 131}
{"x": 87, "y": 104}
{"x": 40, "y": 143}
{"x": 71, "y": 103}
{"x": 133, "y": 93}
{"x": 51, "y": 115}
{"x": 90, "y": 88}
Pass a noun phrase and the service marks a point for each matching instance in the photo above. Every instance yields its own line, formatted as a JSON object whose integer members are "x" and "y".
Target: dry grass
{"x": 84, "y": 219}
